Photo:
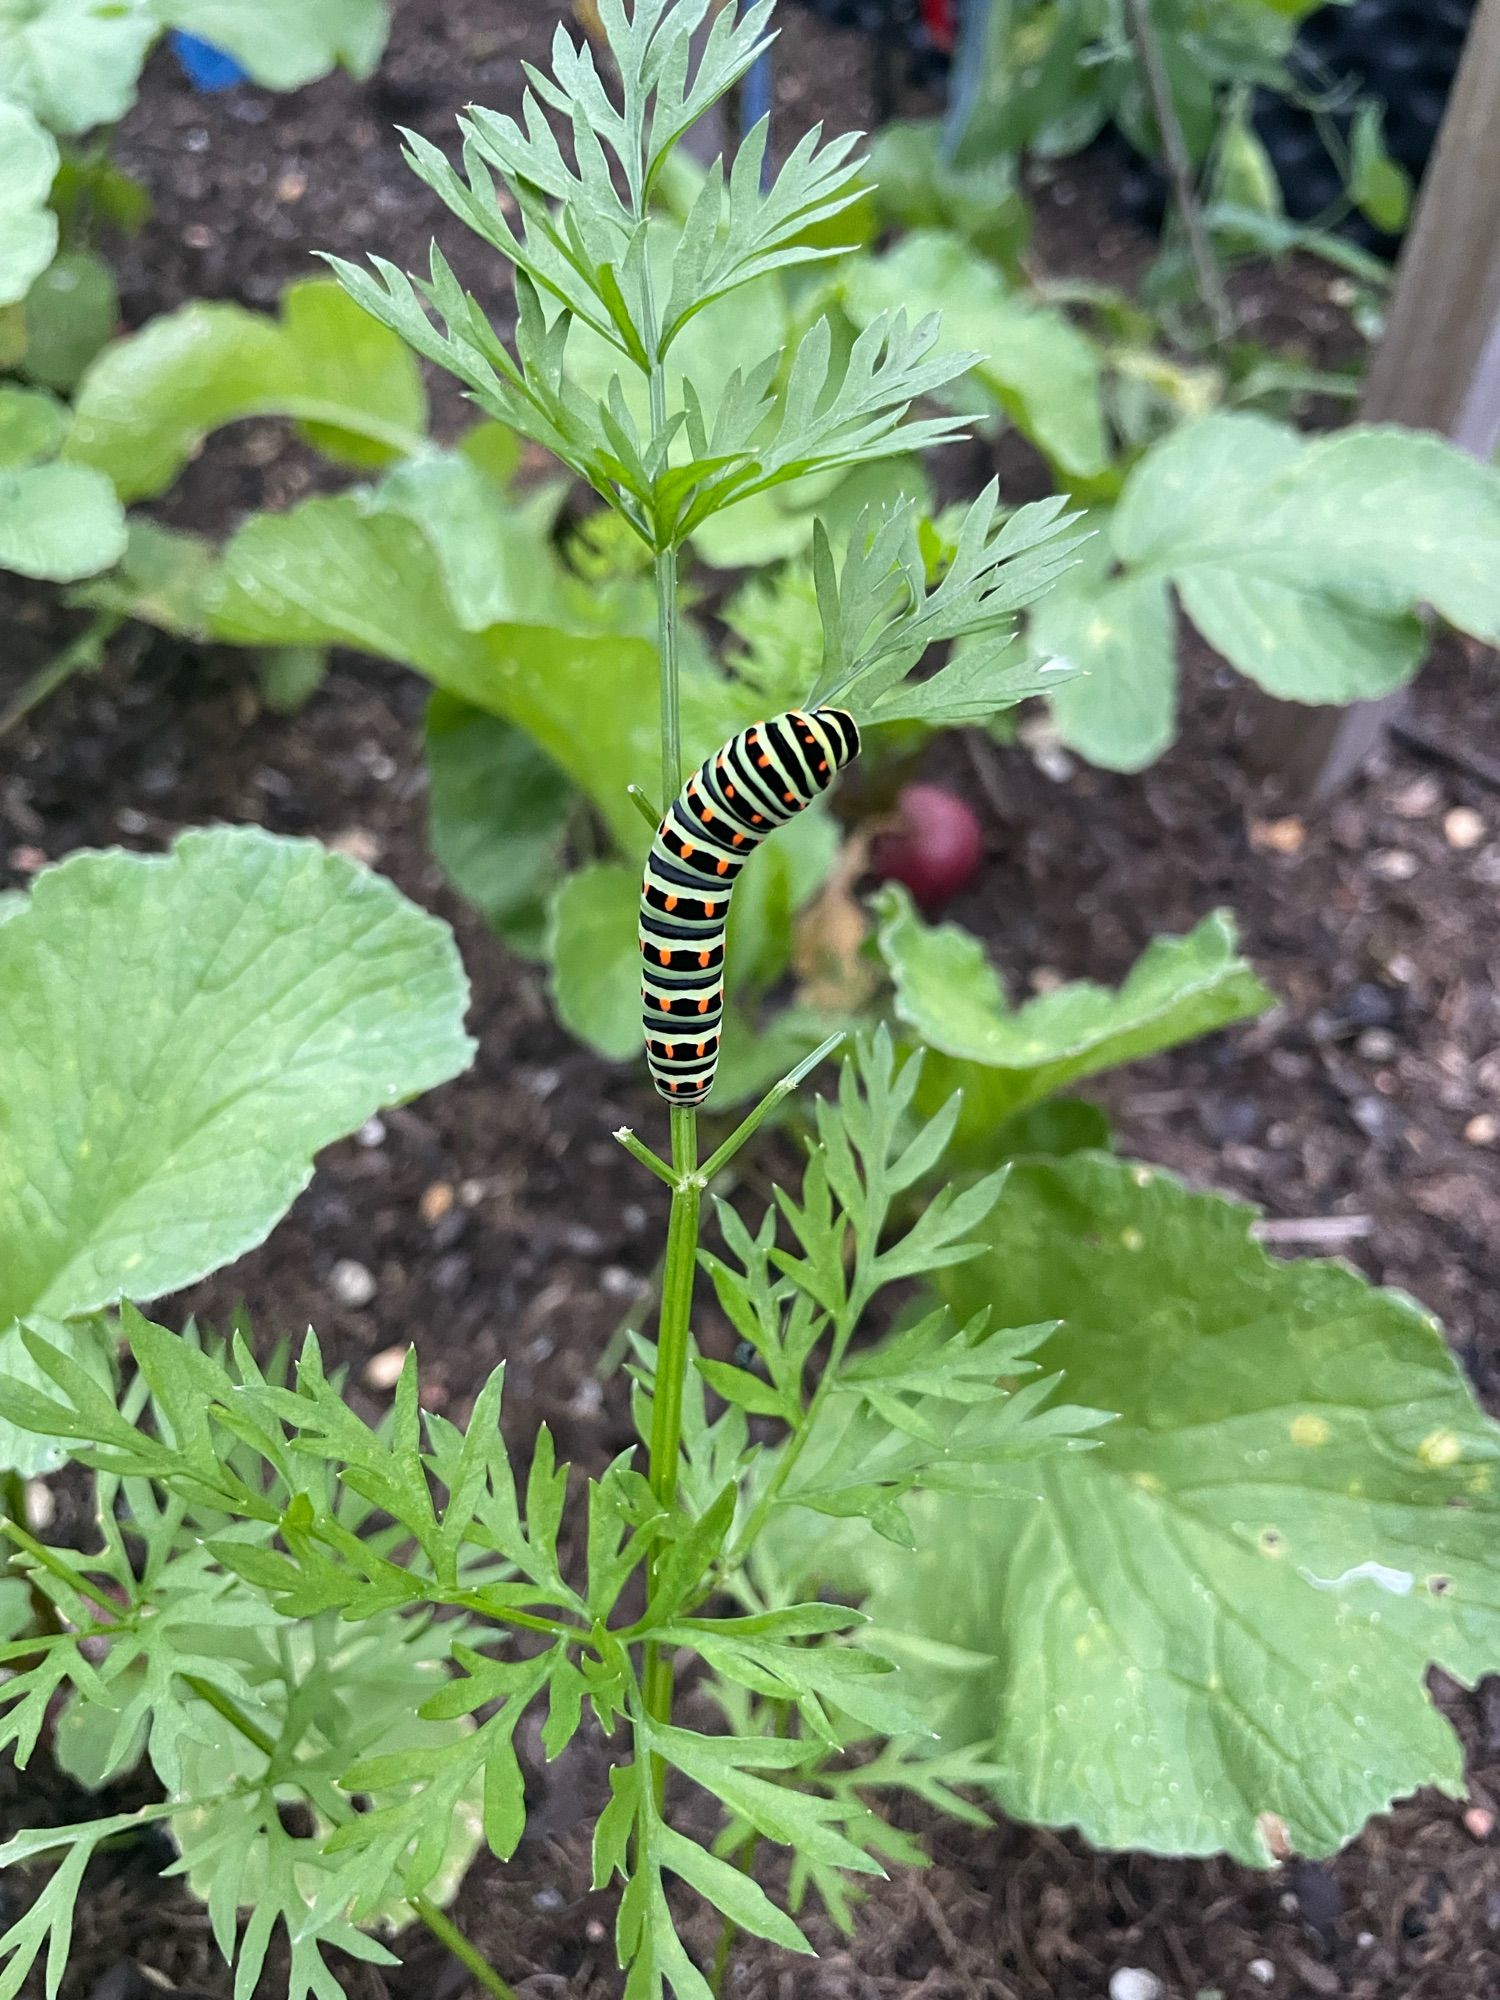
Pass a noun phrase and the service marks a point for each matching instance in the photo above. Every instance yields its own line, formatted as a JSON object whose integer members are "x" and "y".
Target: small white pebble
{"x": 128, "y": 820}
{"x": 587, "y": 1399}
{"x": 383, "y": 1370}
{"x": 372, "y": 1133}
{"x": 620, "y": 1283}
{"x": 357, "y": 843}
{"x": 1417, "y": 799}
{"x": 1263, "y": 1969}
{"x": 1365, "y": 1940}
{"x": 351, "y": 1283}
{"x": 1463, "y": 827}
{"x": 1394, "y": 864}
{"x": 1133, "y": 1982}
{"x": 1040, "y": 737}
{"x": 548, "y": 1899}
{"x": 41, "y": 1504}
{"x": 1376, "y": 1045}
{"x": 436, "y": 1202}
{"x": 1278, "y": 836}
{"x": 1483, "y": 1129}
{"x": 1479, "y": 1822}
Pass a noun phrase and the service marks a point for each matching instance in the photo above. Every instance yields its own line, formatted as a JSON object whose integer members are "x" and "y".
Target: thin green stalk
{"x": 639, "y": 1150}
{"x": 666, "y": 629}
{"x": 774, "y": 1096}
{"x": 645, "y": 805}
{"x": 744, "y": 1860}
{"x": 13, "y": 1505}
{"x": 681, "y": 1261}
{"x": 443, "y": 1928}
{"x": 1179, "y": 165}
{"x": 81, "y": 656}
{"x": 672, "y": 1341}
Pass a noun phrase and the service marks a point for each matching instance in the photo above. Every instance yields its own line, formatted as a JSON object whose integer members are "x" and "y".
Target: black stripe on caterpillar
{"x": 756, "y": 782}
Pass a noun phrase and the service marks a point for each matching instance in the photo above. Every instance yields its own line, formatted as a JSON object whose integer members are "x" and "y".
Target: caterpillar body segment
{"x": 754, "y": 783}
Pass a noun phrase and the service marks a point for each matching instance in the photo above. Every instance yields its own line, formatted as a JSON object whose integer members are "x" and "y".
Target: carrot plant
{"x": 284, "y": 1605}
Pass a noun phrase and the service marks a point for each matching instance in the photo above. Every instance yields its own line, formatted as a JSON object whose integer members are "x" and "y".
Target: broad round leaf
{"x": 60, "y": 522}
{"x": 596, "y": 963}
{"x": 1038, "y": 367}
{"x": 182, "y": 1033}
{"x": 28, "y": 228}
{"x": 1212, "y": 1631}
{"x": 497, "y": 811}
{"x": 946, "y": 989}
{"x": 147, "y": 402}
{"x": 1121, "y": 710}
{"x": 344, "y": 572}
{"x": 286, "y": 43}
{"x": 71, "y": 311}
{"x": 74, "y": 63}
{"x": 32, "y": 425}
{"x": 1304, "y": 563}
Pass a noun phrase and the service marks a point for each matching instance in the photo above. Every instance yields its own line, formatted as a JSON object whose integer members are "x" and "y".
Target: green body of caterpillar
{"x": 755, "y": 783}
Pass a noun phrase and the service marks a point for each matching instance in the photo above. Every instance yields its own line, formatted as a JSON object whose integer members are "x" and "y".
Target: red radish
{"x": 934, "y": 848}
{"x": 940, "y": 19}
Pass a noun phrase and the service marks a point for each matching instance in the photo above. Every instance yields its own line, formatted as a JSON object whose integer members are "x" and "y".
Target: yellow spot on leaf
{"x": 1440, "y": 1448}
{"x": 1309, "y": 1430}
{"x": 1147, "y": 1482}
{"x": 1131, "y": 1239}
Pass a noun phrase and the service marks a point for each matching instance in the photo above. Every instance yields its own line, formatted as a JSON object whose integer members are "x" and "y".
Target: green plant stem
{"x": 672, "y": 1344}
{"x": 82, "y": 656}
{"x": 13, "y": 1503}
{"x": 666, "y": 626}
{"x": 744, "y": 1860}
{"x": 443, "y": 1927}
{"x": 644, "y": 804}
{"x": 639, "y": 1150}
{"x": 681, "y": 1261}
{"x": 1179, "y": 165}
{"x": 774, "y": 1096}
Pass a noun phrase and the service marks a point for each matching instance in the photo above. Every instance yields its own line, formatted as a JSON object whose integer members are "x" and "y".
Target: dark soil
{"x": 1360, "y": 1114}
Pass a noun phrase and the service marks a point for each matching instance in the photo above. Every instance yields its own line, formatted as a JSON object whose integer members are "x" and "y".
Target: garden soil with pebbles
{"x": 496, "y": 1219}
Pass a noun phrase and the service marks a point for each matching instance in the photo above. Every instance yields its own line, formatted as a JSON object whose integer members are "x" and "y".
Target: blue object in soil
{"x": 205, "y": 67}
